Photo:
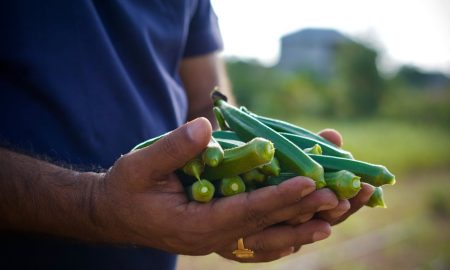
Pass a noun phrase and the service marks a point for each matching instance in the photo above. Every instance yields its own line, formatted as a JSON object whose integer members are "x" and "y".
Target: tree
{"x": 357, "y": 82}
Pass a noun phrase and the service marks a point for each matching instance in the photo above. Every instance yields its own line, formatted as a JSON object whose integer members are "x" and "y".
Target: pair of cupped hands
{"x": 140, "y": 201}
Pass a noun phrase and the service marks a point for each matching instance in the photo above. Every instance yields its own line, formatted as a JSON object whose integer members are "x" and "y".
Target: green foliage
{"x": 355, "y": 91}
{"x": 358, "y": 85}
{"x": 439, "y": 203}
{"x": 409, "y": 97}
{"x": 400, "y": 145}
{"x": 275, "y": 93}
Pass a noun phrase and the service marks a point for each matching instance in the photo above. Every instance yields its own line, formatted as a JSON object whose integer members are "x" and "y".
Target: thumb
{"x": 172, "y": 151}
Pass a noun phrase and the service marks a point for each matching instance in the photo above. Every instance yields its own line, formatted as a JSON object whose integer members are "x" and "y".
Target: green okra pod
{"x": 345, "y": 184}
{"x": 254, "y": 176}
{"x": 316, "y": 150}
{"x": 225, "y": 134}
{"x": 283, "y": 126}
{"x": 241, "y": 159}
{"x": 289, "y": 155}
{"x": 231, "y": 186}
{"x": 375, "y": 175}
{"x": 276, "y": 180}
{"x": 219, "y": 119}
{"x": 377, "y": 198}
{"x": 201, "y": 191}
{"x": 213, "y": 154}
{"x": 307, "y": 142}
{"x": 227, "y": 144}
{"x": 272, "y": 168}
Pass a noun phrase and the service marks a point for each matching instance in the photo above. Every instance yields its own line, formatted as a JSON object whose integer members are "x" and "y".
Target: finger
{"x": 281, "y": 237}
{"x": 249, "y": 212}
{"x": 306, "y": 208}
{"x": 172, "y": 151}
{"x": 357, "y": 202}
{"x": 336, "y": 213}
{"x": 332, "y": 136}
{"x": 263, "y": 256}
{"x": 320, "y": 200}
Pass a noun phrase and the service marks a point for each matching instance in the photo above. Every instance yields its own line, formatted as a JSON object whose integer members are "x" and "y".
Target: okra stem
{"x": 194, "y": 167}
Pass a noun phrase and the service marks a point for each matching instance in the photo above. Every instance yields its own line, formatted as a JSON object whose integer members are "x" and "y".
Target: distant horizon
{"x": 270, "y": 65}
{"x": 414, "y": 33}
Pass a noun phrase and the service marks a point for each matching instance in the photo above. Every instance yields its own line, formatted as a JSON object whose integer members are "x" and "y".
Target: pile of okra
{"x": 251, "y": 151}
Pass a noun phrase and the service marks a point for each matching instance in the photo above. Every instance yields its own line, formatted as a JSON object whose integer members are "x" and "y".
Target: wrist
{"x": 93, "y": 217}
{"x": 100, "y": 211}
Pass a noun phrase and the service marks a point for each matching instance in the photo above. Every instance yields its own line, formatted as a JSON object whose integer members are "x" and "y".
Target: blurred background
{"x": 377, "y": 71}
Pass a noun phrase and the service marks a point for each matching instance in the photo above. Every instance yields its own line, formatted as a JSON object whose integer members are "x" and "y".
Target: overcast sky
{"x": 413, "y": 32}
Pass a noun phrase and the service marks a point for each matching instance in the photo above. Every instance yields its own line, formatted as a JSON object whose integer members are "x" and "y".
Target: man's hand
{"x": 345, "y": 208}
{"x": 140, "y": 201}
{"x": 338, "y": 212}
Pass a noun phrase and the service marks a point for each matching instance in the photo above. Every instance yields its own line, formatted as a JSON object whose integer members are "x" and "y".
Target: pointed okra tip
{"x": 377, "y": 199}
{"x": 387, "y": 177}
{"x": 217, "y": 96}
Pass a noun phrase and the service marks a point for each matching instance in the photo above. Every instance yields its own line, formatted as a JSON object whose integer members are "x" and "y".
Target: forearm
{"x": 200, "y": 75}
{"x": 37, "y": 196}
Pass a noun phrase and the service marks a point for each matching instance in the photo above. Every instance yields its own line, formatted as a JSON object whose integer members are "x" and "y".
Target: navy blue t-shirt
{"x": 84, "y": 81}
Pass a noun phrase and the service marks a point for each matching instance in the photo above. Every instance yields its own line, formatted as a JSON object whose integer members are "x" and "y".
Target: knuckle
{"x": 255, "y": 217}
{"x": 122, "y": 169}
{"x": 259, "y": 245}
{"x": 329, "y": 198}
{"x": 263, "y": 222}
{"x": 344, "y": 205}
{"x": 251, "y": 216}
{"x": 122, "y": 163}
{"x": 192, "y": 245}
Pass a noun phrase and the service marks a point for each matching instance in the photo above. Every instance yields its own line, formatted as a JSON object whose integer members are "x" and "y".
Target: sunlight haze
{"x": 413, "y": 32}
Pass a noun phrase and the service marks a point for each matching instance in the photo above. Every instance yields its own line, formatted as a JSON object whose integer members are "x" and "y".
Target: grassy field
{"x": 412, "y": 233}
{"x": 402, "y": 147}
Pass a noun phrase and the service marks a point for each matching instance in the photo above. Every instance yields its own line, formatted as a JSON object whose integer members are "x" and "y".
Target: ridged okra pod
{"x": 307, "y": 142}
{"x": 254, "y": 176}
{"x": 345, "y": 184}
{"x": 213, "y": 154}
{"x": 231, "y": 186}
{"x": 375, "y": 175}
{"x": 201, "y": 191}
{"x": 289, "y": 155}
{"x": 238, "y": 160}
{"x": 272, "y": 168}
{"x": 283, "y": 126}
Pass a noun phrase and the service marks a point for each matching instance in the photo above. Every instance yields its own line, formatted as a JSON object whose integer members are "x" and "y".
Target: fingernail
{"x": 337, "y": 214}
{"x": 287, "y": 252}
{"x": 195, "y": 129}
{"x": 372, "y": 189}
{"x": 305, "y": 217}
{"x": 326, "y": 207}
{"x": 319, "y": 236}
{"x": 307, "y": 191}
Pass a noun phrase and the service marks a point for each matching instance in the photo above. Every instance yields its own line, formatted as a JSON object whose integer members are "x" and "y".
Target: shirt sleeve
{"x": 204, "y": 34}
